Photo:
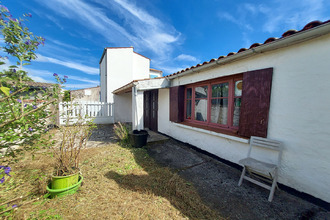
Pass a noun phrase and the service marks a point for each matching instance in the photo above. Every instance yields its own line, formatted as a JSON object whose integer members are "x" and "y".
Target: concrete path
{"x": 217, "y": 185}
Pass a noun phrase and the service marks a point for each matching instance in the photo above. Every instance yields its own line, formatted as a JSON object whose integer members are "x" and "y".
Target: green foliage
{"x": 67, "y": 96}
{"x": 122, "y": 133}
{"x": 44, "y": 214}
{"x": 22, "y": 118}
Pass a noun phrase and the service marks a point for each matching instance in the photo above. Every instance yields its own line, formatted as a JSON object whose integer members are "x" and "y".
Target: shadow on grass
{"x": 161, "y": 181}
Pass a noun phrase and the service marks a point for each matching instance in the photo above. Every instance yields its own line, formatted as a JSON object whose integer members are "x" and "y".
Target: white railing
{"x": 100, "y": 112}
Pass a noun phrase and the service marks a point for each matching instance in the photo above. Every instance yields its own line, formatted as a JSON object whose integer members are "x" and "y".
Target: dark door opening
{"x": 151, "y": 109}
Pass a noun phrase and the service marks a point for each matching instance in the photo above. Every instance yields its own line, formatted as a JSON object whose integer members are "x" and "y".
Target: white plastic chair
{"x": 259, "y": 169}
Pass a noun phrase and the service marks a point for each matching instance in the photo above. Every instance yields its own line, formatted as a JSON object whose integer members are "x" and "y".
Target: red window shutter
{"x": 176, "y": 103}
{"x": 255, "y": 103}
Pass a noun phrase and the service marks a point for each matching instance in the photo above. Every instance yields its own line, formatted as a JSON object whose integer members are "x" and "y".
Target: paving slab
{"x": 217, "y": 184}
{"x": 163, "y": 154}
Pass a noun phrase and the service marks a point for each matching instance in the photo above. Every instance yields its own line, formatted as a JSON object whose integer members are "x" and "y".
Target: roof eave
{"x": 277, "y": 44}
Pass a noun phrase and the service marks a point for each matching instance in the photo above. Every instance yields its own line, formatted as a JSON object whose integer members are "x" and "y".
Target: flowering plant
{"x": 3, "y": 172}
{"x": 22, "y": 121}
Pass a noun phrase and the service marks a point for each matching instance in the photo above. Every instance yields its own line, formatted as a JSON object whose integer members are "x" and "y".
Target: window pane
{"x": 201, "y": 110}
{"x": 220, "y": 90}
{"x": 219, "y": 111}
{"x": 188, "y": 107}
{"x": 189, "y": 93}
{"x": 201, "y": 92}
{"x": 237, "y": 109}
{"x": 238, "y": 88}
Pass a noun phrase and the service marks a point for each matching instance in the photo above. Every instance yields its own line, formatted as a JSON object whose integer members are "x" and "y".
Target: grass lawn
{"x": 119, "y": 183}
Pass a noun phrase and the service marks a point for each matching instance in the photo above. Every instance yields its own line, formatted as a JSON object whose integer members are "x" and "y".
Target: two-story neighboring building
{"x": 120, "y": 66}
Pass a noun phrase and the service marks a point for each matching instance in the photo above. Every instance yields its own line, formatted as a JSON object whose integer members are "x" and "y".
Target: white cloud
{"x": 46, "y": 76}
{"x": 69, "y": 64}
{"x": 82, "y": 79}
{"x": 283, "y": 16}
{"x": 90, "y": 17}
{"x": 277, "y": 16}
{"x": 39, "y": 79}
{"x": 137, "y": 27}
{"x": 241, "y": 21}
{"x": 185, "y": 57}
{"x": 65, "y": 45}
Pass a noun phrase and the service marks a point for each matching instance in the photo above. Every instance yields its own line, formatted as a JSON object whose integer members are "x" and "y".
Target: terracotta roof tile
{"x": 242, "y": 49}
{"x": 255, "y": 45}
{"x": 312, "y": 25}
{"x": 308, "y": 26}
{"x": 271, "y": 39}
{"x": 289, "y": 32}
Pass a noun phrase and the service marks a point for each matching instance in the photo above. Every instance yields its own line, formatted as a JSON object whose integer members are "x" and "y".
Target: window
{"x": 214, "y": 103}
{"x": 235, "y": 105}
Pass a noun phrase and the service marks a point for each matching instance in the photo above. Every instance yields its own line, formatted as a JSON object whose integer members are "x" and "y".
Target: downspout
{"x": 134, "y": 108}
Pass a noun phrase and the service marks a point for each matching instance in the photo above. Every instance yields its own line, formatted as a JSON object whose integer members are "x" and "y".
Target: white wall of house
{"x": 103, "y": 76}
{"x": 118, "y": 67}
{"x": 123, "y": 110}
{"x": 299, "y": 114}
{"x": 141, "y": 66}
{"x": 137, "y": 109}
{"x": 155, "y": 73}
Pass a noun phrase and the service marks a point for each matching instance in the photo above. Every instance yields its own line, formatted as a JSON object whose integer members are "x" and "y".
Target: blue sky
{"x": 174, "y": 34}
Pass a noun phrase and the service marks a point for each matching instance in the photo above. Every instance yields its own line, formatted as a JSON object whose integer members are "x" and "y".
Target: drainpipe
{"x": 134, "y": 109}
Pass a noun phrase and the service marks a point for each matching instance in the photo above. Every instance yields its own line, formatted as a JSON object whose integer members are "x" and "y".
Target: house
{"x": 278, "y": 89}
{"x": 120, "y": 66}
{"x": 87, "y": 94}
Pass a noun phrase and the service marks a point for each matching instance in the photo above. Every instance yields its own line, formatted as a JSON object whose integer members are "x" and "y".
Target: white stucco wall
{"x": 137, "y": 109}
{"x": 119, "y": 69}
{"x": 299, "y": 114}
{"x": 103, "y": 79}
{"x": 141, "y": 66}
{"x": 153, "y": 74}
{"x": 123, "y": 107}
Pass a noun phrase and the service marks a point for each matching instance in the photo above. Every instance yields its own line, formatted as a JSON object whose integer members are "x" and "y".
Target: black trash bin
{"x": 139, "y": 138}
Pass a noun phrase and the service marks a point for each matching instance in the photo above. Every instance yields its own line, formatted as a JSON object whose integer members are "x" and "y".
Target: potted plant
{"x": 74, "y": 135}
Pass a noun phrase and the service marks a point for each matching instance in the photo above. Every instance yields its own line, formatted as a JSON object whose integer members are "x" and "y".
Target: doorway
{"x": 151, "y": 109}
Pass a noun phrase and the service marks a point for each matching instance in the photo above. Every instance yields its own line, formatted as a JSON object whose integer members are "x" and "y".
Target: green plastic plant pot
{"x": 61, "y": 182}
{"x": 65, "y": 191}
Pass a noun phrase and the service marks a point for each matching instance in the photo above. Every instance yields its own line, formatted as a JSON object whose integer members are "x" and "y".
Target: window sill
{"x": 216, "y": 132}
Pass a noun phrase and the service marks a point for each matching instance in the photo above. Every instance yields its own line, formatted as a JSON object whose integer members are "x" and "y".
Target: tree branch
{"x": 25, "y": 114}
